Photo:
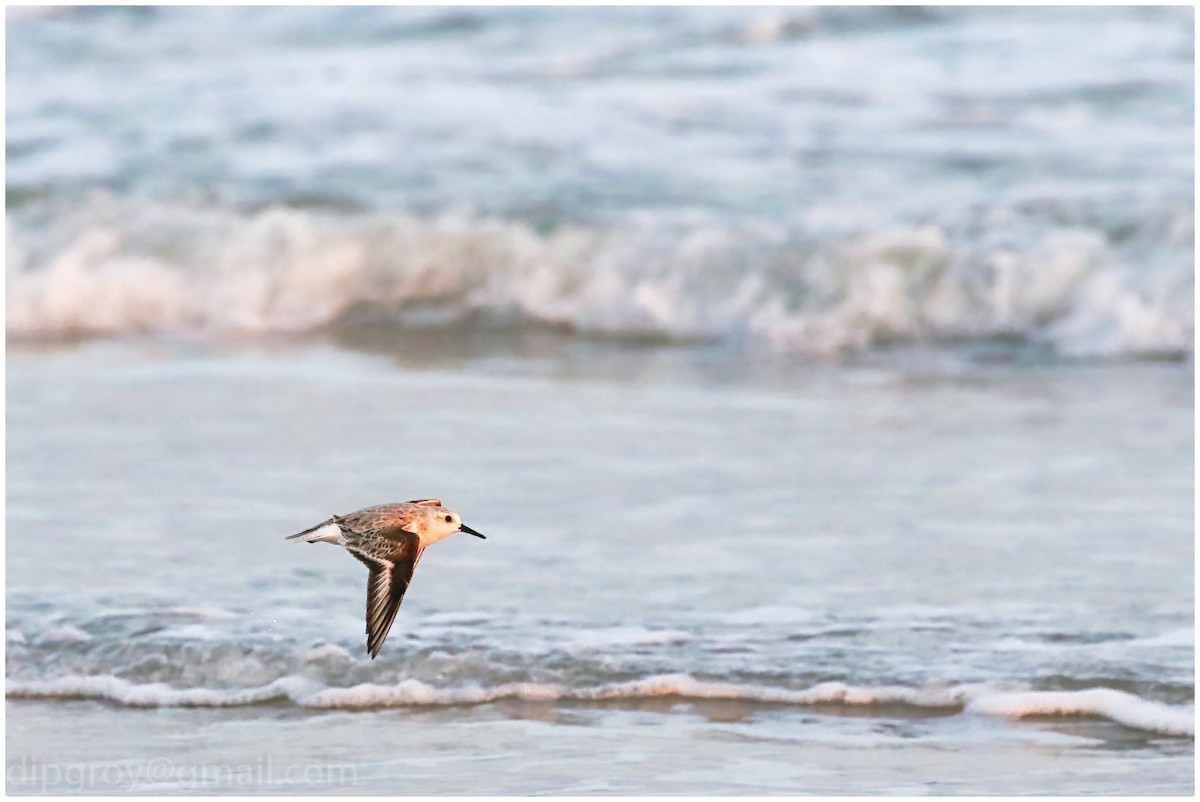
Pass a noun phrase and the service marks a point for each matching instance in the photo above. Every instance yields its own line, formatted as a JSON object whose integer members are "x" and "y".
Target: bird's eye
{"x": 448, "y": 519}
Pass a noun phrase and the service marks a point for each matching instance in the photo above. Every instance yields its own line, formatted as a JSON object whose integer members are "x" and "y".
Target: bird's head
{"x": 443, "y": 523}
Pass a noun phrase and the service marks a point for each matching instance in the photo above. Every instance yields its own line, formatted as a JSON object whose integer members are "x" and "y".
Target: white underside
{"x": 329, "y": 533}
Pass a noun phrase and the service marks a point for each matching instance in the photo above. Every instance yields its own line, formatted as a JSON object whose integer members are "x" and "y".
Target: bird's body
{"x": 389, "y": 540}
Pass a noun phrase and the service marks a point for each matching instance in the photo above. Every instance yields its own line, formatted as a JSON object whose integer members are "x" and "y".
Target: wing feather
{"x": 389, "y": 575}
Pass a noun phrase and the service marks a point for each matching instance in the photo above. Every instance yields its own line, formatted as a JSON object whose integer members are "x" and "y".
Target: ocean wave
{"x": 1119, "y": 706}
{"x": 992, "y": 699}
{"x": 117, "y": 268}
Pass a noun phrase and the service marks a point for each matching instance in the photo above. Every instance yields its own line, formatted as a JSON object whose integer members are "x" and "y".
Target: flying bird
{"x": 388, "y": 539}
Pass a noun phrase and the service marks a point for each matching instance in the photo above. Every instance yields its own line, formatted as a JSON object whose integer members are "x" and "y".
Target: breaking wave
{"x": 983, "y": 698}
{"x": 213, "y": 657}
{"x": 116, "y": 268}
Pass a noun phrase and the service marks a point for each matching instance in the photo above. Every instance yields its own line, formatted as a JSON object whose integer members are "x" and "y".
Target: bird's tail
{"x": 324, "y": 532}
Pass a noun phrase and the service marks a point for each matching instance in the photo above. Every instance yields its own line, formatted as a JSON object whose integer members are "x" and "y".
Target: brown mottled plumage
{"x": 389, "y": 540}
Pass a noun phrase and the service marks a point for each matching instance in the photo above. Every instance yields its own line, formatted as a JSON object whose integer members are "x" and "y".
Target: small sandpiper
{"x": 388, "y": 539}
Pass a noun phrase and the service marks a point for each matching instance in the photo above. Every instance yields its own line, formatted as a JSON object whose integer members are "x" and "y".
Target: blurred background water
{"x": 823, "y": 380}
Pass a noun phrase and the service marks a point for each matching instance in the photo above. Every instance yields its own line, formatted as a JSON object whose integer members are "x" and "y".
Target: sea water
{"x": 804, "y": 181}
{"x": 822, "y": 380}
{"x": 840, "y": 581}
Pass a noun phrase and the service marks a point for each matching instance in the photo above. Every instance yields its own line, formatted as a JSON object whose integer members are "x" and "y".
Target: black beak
{"x": 469, "y": 531}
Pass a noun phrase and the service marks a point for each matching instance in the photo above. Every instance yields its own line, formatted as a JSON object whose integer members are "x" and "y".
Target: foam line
{"x": 984, "y": 698}
{"x": 701, "y": 282}
{"x": 1123, "y": 708}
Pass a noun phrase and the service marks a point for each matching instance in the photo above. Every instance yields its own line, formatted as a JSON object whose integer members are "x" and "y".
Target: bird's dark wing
{"x": 390, "y": 561}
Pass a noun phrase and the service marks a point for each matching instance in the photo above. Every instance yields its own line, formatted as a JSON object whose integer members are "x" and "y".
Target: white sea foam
{"x": 115, "y": 689}
{"x": 206, "y": 613}
{"x": 995, "y": 699}
{"x": 192, "y": 633}
{"x": 64, "y": 634}
{"x": 1123, "y": 708}
{"x": 328, "y": 651}
{"x": 1181, "y": 637}
{"x": 119, "y": 268}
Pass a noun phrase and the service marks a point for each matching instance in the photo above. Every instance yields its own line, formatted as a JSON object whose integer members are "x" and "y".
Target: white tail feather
{"x": 329, "y": 533}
